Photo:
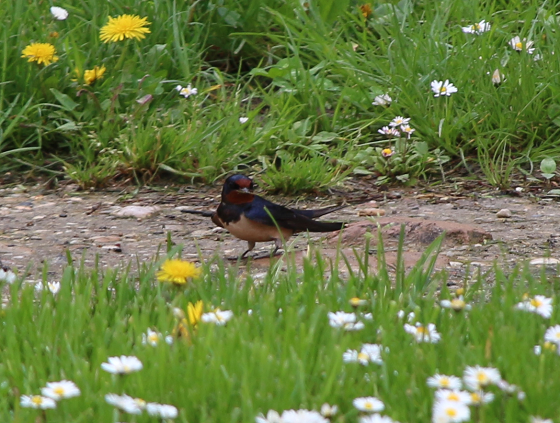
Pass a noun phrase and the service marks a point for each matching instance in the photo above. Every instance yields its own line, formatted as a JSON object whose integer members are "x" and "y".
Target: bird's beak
{"x": 244, "y": 190}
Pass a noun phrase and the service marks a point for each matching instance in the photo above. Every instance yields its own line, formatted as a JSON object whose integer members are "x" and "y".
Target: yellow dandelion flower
{"x": 124, "y": 26}
{"x": 90, "y": 76}
{"x": 42, "y": 53}
{"x": 181, "y": 330}
{"x": 366, "y": 10}
{"x": 185, "y": 326}
{"x": 194, "y": 312}
{"x": 177, "y": 271}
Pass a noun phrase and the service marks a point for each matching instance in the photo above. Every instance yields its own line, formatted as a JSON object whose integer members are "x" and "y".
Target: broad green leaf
{"x": 65, "y": 101}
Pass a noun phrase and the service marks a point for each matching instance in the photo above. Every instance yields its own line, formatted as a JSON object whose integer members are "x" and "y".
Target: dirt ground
{"x": 38, "y": 225}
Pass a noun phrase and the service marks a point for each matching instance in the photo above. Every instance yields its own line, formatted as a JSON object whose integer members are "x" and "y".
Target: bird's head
{"x": 238, "y": 189}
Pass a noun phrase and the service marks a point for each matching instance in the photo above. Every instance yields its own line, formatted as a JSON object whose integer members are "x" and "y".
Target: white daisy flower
{"x": 376, "y": 418}
{"x": 122, "y": 365}
{"x": 302, "y": 416}
{"x": 518, "y": 45}
{"x": 328, "y": 410}
{"x": 382, "y": 100}
{"x": 7, "y": 275}
{"x": 441, "y": 88}
{"x": 37, "y": 401}
{"x": 353, "y": 327}
{"x": 162, "y": 411}
{"x": 477, "y": 377}
{"x": 356, "y": 301}
{"x": 59, "y": 13}
{"x": 60, "y": 390}
{"x": 536, "y": 419}
{"x": 423, "y": 333}
{"x": 351, "y": 356}
{"x": 370, "y": 353}
{"x": 399, "y": 121}
{"x": 481, "y": 397}
{"x": 497, "y": 78}
{"x": 368, "y": 404}
{"x": 218, "y": 317}
{"x": 151, "y": 337}
{"x": 392, "y": 132}
{"x": 340, "y": 318}
{"x": 539, "y": 304}
{"x": 453, "y": 395}
{"x": 271, "y": 417}
{"x": 477, "y": 28}
{"x": 552, "y": 334}
{"x": 450, "y": 412}
{"x": 457, "y": 304}
{"x": 243, "y": 120}
{"x": 125, "y": 403}
{"x": 407, "y": 130}
{"x": 54, "y": 287}
{"x": 444, "y": 382}
{"x": 186, "y": 91}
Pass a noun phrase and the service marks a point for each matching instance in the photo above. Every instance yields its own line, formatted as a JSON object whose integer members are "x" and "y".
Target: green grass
{"x": 284, "y": 354}
{"x": 305, "y": 78}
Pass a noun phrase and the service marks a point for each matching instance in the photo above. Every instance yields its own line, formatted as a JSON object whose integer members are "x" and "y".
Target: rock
{"x": 139, "y": 212}
{"x": 420, "y": 231}
{"x": 105, "y": 239}
{"x": 173, "y": 227}
{"x": 371, "y": 212}
{"x": 544, "y": 261}
{"x": 504, "y": 214}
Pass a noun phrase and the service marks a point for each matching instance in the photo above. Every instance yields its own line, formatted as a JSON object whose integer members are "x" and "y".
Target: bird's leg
{"x": 250, "y": 246}
{"x": 278, "y": 245}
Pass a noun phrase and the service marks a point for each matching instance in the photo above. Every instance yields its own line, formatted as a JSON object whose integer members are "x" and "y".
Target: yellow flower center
{"x": 387, "y": 152}
{"x": 475, "y": 27}
{"x": 453, "y": 397}
{"x": 444, "y": 381}
{"x": 457, "y": 304}
{"x": 536, "y": 303}
{"x": 355, "y": 302}
{"x": 59, "y": 390}
{"x": 422, "y": 330}
{"x": 519, "y": 45}
{"x": 451, "y": 412}
{"x": 363, "y": 356}
{"x": 482, "y": 378}
{"x": 153, "y": 337}
{"x": 36, "y": 399}
{"x": 475, "y": 397}
{"x": 368, "y": 406}
{"x": 443, "y": 89}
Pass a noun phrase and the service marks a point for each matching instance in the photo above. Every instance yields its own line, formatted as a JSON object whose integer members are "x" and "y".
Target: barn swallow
{"x": 255, "y": 219}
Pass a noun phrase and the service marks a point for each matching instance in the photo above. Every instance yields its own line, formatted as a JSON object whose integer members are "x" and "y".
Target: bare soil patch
{"x": 38, "y": 226}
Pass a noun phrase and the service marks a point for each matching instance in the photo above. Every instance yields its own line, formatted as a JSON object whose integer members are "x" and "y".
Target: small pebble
{"x": 504, "y": 214}
{"x": 371, "y": 212}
